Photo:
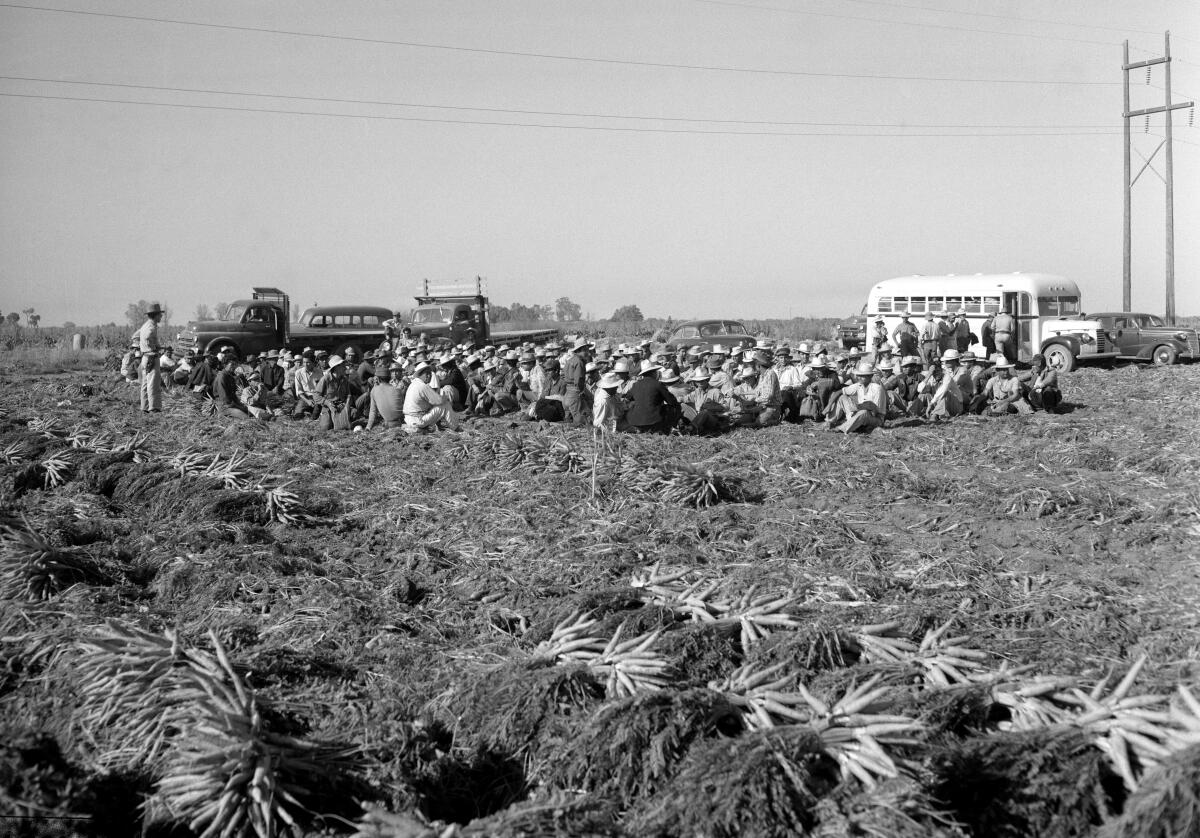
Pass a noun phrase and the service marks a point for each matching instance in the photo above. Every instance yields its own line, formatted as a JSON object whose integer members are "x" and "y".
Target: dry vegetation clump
{"x": 1047, "y": 782}
{"x": 763, "y": 783}
{"x": 521, "y": 709}
{"x": 985, "y": 627}
{"x": 631, "y": 747}
{"x": 1168, "y": 803}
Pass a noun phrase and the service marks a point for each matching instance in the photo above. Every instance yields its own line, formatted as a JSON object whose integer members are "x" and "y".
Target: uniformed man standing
{"x": 150, "y": 381}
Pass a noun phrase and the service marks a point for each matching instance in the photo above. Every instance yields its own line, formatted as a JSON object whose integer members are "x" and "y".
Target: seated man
{"x": 1003, "y": 391}
{"x": 608, "y": 406}
{"x": 820, "y": 392}
{"x": 387, "y": 400}
{"x": 861, "y": 405}
{"x": 548, "y": 406}
{"x": 1041, "y": 385}
{"x": 424, "y": 409}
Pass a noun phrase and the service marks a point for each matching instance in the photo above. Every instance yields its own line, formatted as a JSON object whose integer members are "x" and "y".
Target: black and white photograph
{"x": 624, "y": 419}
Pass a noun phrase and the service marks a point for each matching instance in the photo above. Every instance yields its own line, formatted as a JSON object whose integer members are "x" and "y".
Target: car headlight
{"x": 1086, "y": 338}
{"x": 1180, "y": 336}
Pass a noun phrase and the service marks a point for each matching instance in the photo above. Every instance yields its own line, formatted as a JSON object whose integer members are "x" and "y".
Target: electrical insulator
{"x": 1192, "y": 116}
{"x": 1147, "y": 123}
{"x": 1148, "y": 69}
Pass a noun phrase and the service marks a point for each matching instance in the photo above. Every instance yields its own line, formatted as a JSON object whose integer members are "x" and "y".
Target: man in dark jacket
{"x": 655, "y": 409}
{"x": 200, "y": 382}
{"x": 225, "y": 392}
{"x": 271, "y": 373}
{"x": 577, "y": 407}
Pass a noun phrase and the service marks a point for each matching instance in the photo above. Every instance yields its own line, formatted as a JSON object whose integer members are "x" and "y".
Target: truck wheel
{"x": 1164, "y": 355}
{"x": 1059, "y": 358}
{"x": 217, "y": 347}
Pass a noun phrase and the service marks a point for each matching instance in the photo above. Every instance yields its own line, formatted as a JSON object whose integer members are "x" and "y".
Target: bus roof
{"x": 1047, "y": 285}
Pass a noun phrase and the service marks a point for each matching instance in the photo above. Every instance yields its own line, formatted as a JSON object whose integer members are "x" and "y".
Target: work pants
{"x": 150, "y": 386}
{"x": 576, "y": 411}
{"x": 1006, "y": 345}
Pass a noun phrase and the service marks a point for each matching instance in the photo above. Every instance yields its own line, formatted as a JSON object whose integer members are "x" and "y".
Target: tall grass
{"x": 41, "y": 360}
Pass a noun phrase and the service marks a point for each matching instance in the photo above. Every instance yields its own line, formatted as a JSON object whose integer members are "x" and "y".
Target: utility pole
{"x": 1168, "y": 179}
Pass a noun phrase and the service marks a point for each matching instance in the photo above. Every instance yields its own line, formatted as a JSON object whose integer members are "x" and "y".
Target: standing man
{"x": 1004, "y": 329}
{"x": 929, "y": 340}
{"x": 906, "y": 336}
{"x": 962, "y": 330}
{"x": 150, "y": 380}
{"x": 574, "y": 375}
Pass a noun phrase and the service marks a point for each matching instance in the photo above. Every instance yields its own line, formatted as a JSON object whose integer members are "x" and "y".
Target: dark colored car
{"x": 851, "y": 333}
{"x": 709, "y": 333}
{"x": 1147, "y": 337}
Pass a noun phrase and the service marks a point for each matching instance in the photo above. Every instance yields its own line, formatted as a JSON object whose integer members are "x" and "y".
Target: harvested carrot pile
{"x": 983, "y": 627}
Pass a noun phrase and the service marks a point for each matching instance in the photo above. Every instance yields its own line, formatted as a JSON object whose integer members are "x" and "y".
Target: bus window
{"x": 885, "y": 304}
{"x": 899, "y": 303}
{"x": 935, "y": 304}
{"x": 916, "y": 305}
{"x": 973, "y": 305}
{"x": 954, "y": 303}
{"x": 991, "y": 305}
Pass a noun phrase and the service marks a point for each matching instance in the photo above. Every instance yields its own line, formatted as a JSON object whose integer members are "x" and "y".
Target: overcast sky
{"x": 887, "y": 138}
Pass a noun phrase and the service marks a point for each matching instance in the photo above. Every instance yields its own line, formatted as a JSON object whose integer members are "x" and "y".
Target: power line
{"x": 518, "y": 112}
{"x": 393, "y": 118}
{"x": 561, "y": 57}
{"x": 887, "y": 5}
{"x": 944, "y": 26}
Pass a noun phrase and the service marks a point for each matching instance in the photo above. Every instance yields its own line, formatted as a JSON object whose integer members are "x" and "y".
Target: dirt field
{"x": 514, "y": 631}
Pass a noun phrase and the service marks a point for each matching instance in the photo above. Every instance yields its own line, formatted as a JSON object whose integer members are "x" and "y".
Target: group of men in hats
{"x": 707, "y": 390}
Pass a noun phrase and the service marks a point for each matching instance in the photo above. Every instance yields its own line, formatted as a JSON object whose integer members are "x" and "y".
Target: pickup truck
{"x": 262, "y": 323}
{"x": 458, "y": 314}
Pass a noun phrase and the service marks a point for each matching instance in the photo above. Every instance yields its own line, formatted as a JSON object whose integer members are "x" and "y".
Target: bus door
{"x": 1020, "y": 305}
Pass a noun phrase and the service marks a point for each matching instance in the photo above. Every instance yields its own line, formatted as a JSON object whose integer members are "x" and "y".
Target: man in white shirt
{"x": 424, "y": 409}
{"x": 150, "y": 381}
{"x": 863, "y": 402}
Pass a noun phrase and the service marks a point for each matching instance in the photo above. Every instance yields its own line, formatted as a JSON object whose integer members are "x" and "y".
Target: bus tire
{"x": 1059, "y": 358}
{"x": 1164, "y": 355}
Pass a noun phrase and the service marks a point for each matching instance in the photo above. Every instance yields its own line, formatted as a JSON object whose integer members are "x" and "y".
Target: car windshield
{"x": 234, "y": 313}
{"x": 432, "y": 315}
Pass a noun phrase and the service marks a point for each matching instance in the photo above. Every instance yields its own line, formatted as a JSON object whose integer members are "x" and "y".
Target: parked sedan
{"x": 1146, "y": 337}
{"x": 727, "y": 333}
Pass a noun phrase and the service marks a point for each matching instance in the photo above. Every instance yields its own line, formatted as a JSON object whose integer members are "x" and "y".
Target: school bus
{"x": 1047, "y": 309}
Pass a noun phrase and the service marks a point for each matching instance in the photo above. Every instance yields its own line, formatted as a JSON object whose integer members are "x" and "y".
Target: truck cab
{"x": 249, "y": 327}
{"x": 451, "y": 314}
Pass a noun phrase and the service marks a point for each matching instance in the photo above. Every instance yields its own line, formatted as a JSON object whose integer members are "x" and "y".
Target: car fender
{"x": 1071, "y": 342}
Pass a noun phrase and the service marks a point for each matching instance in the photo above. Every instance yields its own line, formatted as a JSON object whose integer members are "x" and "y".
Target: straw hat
{"x": 648, "y": 367}
{"x": 910, "y": 361}
{"x": 669, "y": 376}
{"x": 951, "y": 355}
{"x": 610, "y": 380}
{"x": 864, "y": 368}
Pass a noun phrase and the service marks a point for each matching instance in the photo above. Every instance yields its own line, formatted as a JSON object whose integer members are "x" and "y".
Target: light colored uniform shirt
{"x": 148, "y": 337}
{"x": 608, "y": 411}
{"x": 420, "y": 399}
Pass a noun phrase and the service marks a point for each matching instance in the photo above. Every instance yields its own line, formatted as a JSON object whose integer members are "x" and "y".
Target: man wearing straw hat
{"x": 149, "y": 380}
{"x": 655, "y": 409}
{"x": 608, "y": 407}
{"x": 574, "y": 376}
{"x": 424, "y": 409}
{"x": 861, "y": 404}
{"x": 1003, "y": 390}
